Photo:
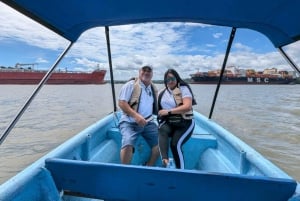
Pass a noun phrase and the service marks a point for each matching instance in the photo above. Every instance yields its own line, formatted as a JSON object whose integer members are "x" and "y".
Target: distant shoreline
{"x": 187, "y": 80}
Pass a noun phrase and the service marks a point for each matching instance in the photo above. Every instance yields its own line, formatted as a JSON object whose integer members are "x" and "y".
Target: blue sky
{"x": 185, "y": 47}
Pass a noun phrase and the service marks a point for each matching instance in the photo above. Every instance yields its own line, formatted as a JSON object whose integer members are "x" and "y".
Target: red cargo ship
{"x": 14, "y": 75}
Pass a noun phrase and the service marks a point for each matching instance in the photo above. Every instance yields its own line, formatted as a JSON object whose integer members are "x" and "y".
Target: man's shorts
{"x": 130, "y": 132}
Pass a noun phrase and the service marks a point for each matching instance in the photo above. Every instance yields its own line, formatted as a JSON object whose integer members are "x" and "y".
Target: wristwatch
{"x": 169, "y": 112}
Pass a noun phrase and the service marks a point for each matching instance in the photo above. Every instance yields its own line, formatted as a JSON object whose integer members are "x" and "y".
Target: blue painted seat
{"x": 126, "y": 182}
{"x": 199, "y": 142}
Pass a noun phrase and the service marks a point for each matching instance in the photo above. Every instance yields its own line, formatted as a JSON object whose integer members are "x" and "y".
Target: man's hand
{"x": 139, "y": 119}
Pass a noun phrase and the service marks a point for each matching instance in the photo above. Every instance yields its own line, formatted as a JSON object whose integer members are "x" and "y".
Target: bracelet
{"x": 169, "y": 112}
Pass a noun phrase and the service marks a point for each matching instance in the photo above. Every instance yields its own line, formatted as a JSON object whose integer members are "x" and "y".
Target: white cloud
{"x": 41, "y": 60}
{"x": 210, "y": 45}
{"x": 241, "y": 47}
{"x": 217, "y": 35}
{"x": 162, "y": 45}
{"x": 15, "y": 26}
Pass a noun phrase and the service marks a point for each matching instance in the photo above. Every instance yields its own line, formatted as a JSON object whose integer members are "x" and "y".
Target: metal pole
{"x": 110, "y": 68}
{"x": 27, "y": 103}
{"x": 232, "y": 34}
{"x": 289, "y": 60}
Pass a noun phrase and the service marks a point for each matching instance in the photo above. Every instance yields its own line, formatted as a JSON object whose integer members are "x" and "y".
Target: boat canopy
{"x": 276, "y": 19}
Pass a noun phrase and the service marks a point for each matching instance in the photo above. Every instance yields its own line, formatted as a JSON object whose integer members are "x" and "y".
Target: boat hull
{"x": 218, "y": 165}
{"x": 34, "y": 77}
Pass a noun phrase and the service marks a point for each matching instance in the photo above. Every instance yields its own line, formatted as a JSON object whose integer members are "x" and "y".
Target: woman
{"x": 175, "y": 117}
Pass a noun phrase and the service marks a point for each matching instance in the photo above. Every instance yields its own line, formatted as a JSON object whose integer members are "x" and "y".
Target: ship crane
{"x": 30, "y": 66}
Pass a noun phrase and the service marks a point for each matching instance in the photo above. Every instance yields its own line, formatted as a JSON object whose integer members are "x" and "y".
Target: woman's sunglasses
{"x": 171, "y": 79}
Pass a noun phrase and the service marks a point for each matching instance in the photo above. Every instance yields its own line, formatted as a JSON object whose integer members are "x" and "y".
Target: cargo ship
{"x": 234, "y": 75}
{"x": 20, "y": 75}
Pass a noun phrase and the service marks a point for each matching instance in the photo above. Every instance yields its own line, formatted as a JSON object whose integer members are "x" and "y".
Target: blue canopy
{"x": 276, "y": 19}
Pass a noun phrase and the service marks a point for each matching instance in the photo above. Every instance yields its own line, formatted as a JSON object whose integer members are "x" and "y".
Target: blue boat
{"x": 218, "y": 165}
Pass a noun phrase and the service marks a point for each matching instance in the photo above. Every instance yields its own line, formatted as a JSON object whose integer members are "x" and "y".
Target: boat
{"x": 234, "y": 75}
{"x": 218, "y": 165}
{"x": 20, "y": 75}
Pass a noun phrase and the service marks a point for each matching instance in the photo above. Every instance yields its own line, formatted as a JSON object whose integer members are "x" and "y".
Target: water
{"x": 266, "y": 117}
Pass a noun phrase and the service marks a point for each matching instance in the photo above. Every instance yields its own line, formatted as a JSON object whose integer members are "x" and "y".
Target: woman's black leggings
{"x": 178, "y": 136}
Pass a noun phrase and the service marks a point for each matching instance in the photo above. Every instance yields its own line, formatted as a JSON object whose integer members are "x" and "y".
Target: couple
{"x": 139, "y": 100}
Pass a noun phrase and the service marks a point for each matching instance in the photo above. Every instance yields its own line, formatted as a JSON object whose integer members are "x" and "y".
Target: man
{"x": 138, "y": 101}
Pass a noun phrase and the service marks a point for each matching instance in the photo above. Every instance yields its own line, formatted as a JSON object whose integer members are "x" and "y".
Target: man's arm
{"x": 139, "y": 119}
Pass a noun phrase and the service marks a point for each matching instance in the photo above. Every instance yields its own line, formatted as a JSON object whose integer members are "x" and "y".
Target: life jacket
{"x": 136, "y": 95}
{"x": 178, "y": 99}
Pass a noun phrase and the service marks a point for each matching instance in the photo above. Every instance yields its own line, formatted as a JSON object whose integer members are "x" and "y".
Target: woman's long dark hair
{"x": 179, "y": 81}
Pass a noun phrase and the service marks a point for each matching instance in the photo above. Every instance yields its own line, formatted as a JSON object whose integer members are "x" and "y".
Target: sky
{"x": 186, "y": 47}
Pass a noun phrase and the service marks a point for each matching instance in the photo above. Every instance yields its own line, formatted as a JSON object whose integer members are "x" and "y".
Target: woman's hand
{"x": 162, "y": 113}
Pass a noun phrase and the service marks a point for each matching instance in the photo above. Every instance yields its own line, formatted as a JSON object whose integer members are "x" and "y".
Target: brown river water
{"x": 267, "y": 117}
